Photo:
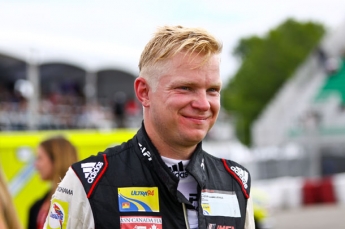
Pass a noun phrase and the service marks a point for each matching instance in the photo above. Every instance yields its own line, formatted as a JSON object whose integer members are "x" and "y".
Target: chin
{"x": 196, "y": 138}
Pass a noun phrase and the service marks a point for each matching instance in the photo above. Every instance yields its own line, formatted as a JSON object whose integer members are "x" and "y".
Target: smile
{"x": 196, "y": 118}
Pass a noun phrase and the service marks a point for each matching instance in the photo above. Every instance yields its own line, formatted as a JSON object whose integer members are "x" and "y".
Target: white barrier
{"x": 287, "y": 192}
{"x": 339, "y": 187}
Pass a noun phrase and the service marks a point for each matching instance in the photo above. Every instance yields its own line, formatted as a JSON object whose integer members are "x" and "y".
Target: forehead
{"x": 194, "y": 68}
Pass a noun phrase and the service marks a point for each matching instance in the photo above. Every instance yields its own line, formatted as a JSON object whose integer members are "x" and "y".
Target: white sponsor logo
{"x": 145, "y": 152}
{"x": 242, "y": 174}
{"x": 91, "y": 170}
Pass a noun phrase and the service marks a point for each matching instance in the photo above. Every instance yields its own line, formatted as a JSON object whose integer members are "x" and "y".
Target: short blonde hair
{"x": 171, "y": 40}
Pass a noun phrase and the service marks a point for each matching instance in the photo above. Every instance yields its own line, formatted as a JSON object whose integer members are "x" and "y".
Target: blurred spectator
{"x": 8, "y": 215}
{"x": 119, "y": 108}
{"x": 322, "y": 57}
{"x": 95, "y": 116}
{"x": 54, "y": 156}
{"x": 67, "y": 111}
{"x": 332, "y": 65}
{"x": 132, "y": 108}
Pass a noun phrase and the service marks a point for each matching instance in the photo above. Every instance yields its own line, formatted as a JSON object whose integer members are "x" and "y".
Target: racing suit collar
{"x": 151, "y": 158}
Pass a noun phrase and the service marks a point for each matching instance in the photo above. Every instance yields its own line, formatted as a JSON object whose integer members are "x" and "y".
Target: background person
{"x": 8, "y": 215}
{"x": 162, "y": 178}
{"x": 54, "y": 156}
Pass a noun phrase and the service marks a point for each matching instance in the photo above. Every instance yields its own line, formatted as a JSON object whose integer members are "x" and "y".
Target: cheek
{"x": 47, "y": 172}
{"x": 177, "y": 101}
{"x": 39, "y": 164}
{"x": 49, "y": 166}
{"x": 44, "y": 167}
{"x": 215, "y": 105}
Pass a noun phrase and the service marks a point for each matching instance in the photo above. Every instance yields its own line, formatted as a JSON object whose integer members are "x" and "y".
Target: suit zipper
{"x": 185, "y": 215}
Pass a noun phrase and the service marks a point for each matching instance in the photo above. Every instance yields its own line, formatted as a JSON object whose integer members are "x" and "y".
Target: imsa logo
{"x": 214, "y": 226}
{"x": 91, "y": 170}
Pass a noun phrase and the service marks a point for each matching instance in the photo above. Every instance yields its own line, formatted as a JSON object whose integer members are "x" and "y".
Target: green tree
{"x": 266, "y": 63}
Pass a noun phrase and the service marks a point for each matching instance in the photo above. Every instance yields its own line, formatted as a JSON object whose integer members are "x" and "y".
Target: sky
{"x": 97, "y": 32}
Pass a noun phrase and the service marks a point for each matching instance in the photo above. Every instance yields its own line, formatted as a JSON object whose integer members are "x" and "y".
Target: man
{"x": 162, "y": 178}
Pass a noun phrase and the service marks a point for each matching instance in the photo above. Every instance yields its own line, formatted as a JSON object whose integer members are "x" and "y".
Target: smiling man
{"x": 183, "y": 106}
{"x": 162, "y": 178}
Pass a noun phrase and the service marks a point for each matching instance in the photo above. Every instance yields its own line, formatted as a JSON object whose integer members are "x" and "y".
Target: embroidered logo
{"x": 138, "y": 199}
{"x": 202, "y": 165}
{"x": 58, "y": 214}
{"x": 91, "y": 170}
{"x": 214, "y": 226}
{"x": 178, "y": 170}
{"x": 145, "y": 152}
{"x": 64, "y": 190}
{"x": 140, "y": 222}
{"x": 242, "y": 174}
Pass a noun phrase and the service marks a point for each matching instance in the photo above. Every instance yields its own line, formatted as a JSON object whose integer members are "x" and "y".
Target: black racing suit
{"x": 129, "y": 186}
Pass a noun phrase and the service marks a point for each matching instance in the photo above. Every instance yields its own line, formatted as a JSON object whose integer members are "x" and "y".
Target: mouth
{"x": 197, "y": 118}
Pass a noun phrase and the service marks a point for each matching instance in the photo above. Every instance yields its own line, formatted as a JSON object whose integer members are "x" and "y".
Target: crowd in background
{"x": 66, "y": 111}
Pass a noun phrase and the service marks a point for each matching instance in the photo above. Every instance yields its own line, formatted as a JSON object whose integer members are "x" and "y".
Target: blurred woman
{"x": 8, "y": 215}
{"x": 54, "y": 156}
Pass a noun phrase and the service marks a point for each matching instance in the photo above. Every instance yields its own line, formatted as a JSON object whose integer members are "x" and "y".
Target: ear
{"x": 142, "y": 89}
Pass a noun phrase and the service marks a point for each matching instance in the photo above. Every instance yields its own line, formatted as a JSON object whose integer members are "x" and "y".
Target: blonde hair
{"x": 171, "y": 40}
{"x": 8, "y": 215}
{"x": 62, "y": 153}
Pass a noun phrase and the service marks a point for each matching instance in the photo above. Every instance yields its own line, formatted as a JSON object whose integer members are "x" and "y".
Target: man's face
{"x": 186, "y": 102}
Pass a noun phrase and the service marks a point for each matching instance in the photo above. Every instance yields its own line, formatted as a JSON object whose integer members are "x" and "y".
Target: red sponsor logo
{"x": 214, "y": 226}
{"x": 141, "y": 222}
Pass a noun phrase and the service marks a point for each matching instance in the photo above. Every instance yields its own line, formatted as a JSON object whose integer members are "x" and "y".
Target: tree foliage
{"x": 266, "y": 63}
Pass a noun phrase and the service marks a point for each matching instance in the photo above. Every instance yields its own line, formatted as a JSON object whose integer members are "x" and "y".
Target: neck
{"x": 169, "y": 149}
{"x": 173, "y": 152}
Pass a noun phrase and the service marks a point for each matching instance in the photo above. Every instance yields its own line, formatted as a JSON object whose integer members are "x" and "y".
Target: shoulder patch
{"x": 90, "y": 171}
{"x": 241, "y": 175}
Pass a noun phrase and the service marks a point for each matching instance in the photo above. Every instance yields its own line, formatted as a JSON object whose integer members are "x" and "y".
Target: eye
{"x": 213, "y": 90}
{"x": 184, "y": 88}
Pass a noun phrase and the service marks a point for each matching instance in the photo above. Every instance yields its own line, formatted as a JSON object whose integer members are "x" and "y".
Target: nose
{"x": 201, "y": 101}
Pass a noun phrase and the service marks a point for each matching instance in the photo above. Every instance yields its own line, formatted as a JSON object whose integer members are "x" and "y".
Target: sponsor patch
{"x": 138, "y": 199}
{"x": 220, "y": 203}
{"x": 140, "y": 222}
{"x": 58, "y": 214}
{"x": 91, "y": 170}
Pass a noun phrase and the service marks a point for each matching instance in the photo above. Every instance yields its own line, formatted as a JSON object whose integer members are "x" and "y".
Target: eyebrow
{"x": 190, "y": 83}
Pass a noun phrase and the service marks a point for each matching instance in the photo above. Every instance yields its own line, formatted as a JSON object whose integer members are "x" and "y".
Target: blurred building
{"x": 49, "y": 88}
